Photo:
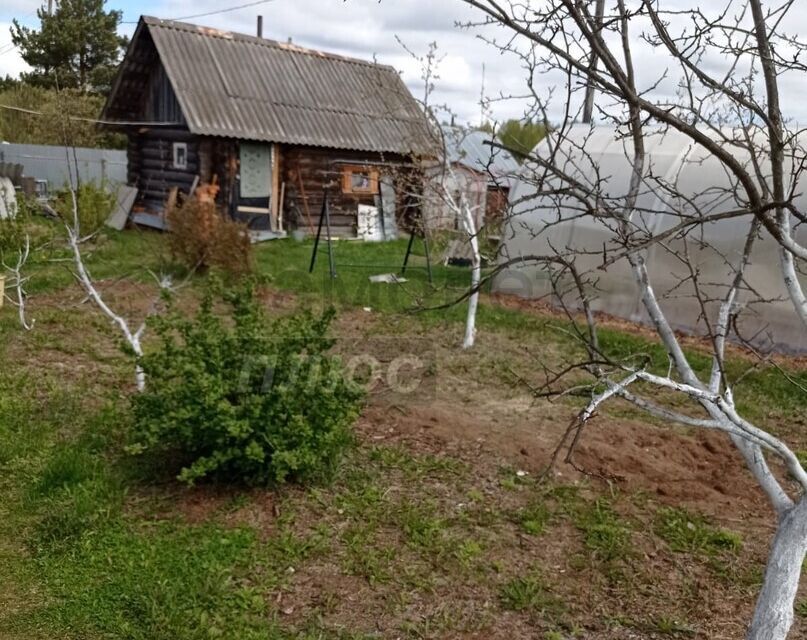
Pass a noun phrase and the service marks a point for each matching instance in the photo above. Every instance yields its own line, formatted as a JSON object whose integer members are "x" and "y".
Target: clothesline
{"x": 95, "y": 120}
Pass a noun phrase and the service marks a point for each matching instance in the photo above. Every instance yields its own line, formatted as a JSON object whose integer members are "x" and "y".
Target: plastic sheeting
{"x": 8, "y": 199}
{"x": 599, "y": 155}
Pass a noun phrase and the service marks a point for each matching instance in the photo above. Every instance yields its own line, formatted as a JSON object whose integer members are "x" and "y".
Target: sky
{"x": 372, "y": 29}
{"x": 360, "y": 28}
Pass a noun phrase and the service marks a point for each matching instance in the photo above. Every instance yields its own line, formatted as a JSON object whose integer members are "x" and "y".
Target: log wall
{"x": 151, "y": 165}
{"x": 308, "y": 171}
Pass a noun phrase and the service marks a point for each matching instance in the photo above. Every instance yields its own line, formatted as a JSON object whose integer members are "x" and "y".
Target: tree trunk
{"x": 476, "y": 276}
{"x": 774, "y": 611}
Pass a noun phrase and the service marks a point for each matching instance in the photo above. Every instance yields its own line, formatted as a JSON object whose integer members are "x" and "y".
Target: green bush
{"x": 12, "y": 236}
{"x": 13, "y": 230}
{"x": 95, "y": 204}
{"x": 249, "y": 399}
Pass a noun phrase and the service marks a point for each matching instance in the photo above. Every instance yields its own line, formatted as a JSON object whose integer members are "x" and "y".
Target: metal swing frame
{"x": 325, "y": 220}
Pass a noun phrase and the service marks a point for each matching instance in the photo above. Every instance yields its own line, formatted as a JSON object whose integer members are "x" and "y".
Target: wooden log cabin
{"x": 274, "y": 124}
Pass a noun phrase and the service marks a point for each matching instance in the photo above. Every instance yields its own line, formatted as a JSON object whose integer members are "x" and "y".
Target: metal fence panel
{"x": 58, "y": 165}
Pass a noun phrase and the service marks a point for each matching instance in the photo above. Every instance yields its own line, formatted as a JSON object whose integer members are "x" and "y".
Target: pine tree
{"x": 77, "y": 47}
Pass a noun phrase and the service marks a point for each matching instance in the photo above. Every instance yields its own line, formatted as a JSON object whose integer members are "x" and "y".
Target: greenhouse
{"x": 682, "y": 180}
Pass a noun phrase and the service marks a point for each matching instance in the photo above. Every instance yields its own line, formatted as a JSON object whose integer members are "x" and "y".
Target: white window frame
{"x": 180, "y": 162}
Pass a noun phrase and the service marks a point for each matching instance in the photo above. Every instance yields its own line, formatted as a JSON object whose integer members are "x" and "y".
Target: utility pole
{"x": 50, "y": 7}
{"x": 588, "y": 105}
{"x": 482, "y": 99}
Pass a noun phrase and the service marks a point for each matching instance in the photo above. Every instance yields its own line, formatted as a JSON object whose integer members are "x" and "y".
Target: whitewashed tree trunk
{"x": 763, "y": 191}
{"x": 476, "y": 273}
{"x": 132, "y": 337}
{"x": 442, "y": 178}
{"x": 82, "y": 274}
{"x": 17, "y": 283}
{"x": 774, "y": 611}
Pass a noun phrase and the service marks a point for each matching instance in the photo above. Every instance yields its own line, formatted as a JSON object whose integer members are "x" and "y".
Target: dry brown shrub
{"x": 202, "y": 237}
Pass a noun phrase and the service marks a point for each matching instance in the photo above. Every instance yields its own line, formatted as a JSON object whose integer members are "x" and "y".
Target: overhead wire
{"x": 10, "y": 46}
{"x": 210, "y": 13}
{"x": 7, "y": 48}
{"x": 133, "y": 123}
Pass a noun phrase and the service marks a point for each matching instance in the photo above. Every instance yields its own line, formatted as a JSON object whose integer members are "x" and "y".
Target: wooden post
{"x": 327, "y": 209}
{"x": 276, "y": 197}
{"x": 280, "y": 206}
{"x": 588, "y": 104}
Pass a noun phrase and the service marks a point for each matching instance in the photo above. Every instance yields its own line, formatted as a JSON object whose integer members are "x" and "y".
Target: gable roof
{"x": 473, "y": 149}
{"x": 239, "y": 86}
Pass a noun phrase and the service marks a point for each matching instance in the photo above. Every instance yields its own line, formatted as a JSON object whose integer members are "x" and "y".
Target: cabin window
{"x": 180, "y": 155}
{"x": 358, "y": 179}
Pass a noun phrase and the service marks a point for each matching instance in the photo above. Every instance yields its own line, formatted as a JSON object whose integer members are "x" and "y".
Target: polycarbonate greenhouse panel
{"x": 601, "y": 159}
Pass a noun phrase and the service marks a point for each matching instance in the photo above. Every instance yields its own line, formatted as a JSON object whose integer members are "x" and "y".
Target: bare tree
{"x": 444, "y": 190}
{"x": 133, "y": 337}
{"x": 17, "y": 282}
{"x": 715, "y": 89}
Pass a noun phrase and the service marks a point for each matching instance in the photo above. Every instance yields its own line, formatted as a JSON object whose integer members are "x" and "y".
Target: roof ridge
{"x": 213, "y": 32}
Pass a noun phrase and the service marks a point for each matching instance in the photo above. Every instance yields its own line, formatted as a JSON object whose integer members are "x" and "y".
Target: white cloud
{"x": 368, "y": 29}
{"x": 10, "y": 61}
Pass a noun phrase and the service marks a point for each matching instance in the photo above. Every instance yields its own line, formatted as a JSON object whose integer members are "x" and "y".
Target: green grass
{"x": 534, "y": 518}
{"x": 604, "y": 531}
{"x": 287, "y": 263}
{"x": 63, "y": 529}
{"x": 92, "y": 557}
{"x": 670, "y": 626}
{"x": 109, "y": 254}
{"x": 94, "y": 547}
{"x": 693, "y": 533}
{"x": 166, "y": 581}
{"x": 422, "y": 526}
{"x": 81, "y": 564}
{"x": 760, "y": 391}
{"x": 532, "y": 595}
{"x": 366, "y": 556}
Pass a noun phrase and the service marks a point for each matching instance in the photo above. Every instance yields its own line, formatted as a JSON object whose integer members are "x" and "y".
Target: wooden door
{"x": 254, "y": 188}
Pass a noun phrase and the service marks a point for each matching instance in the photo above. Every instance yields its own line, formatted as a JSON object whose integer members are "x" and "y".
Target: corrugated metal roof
{"x": 239, "y": 86}
{"x": 472, "y": 149}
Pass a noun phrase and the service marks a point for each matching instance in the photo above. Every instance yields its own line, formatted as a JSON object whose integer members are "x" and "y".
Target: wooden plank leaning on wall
{"x": 274, "y": 201}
